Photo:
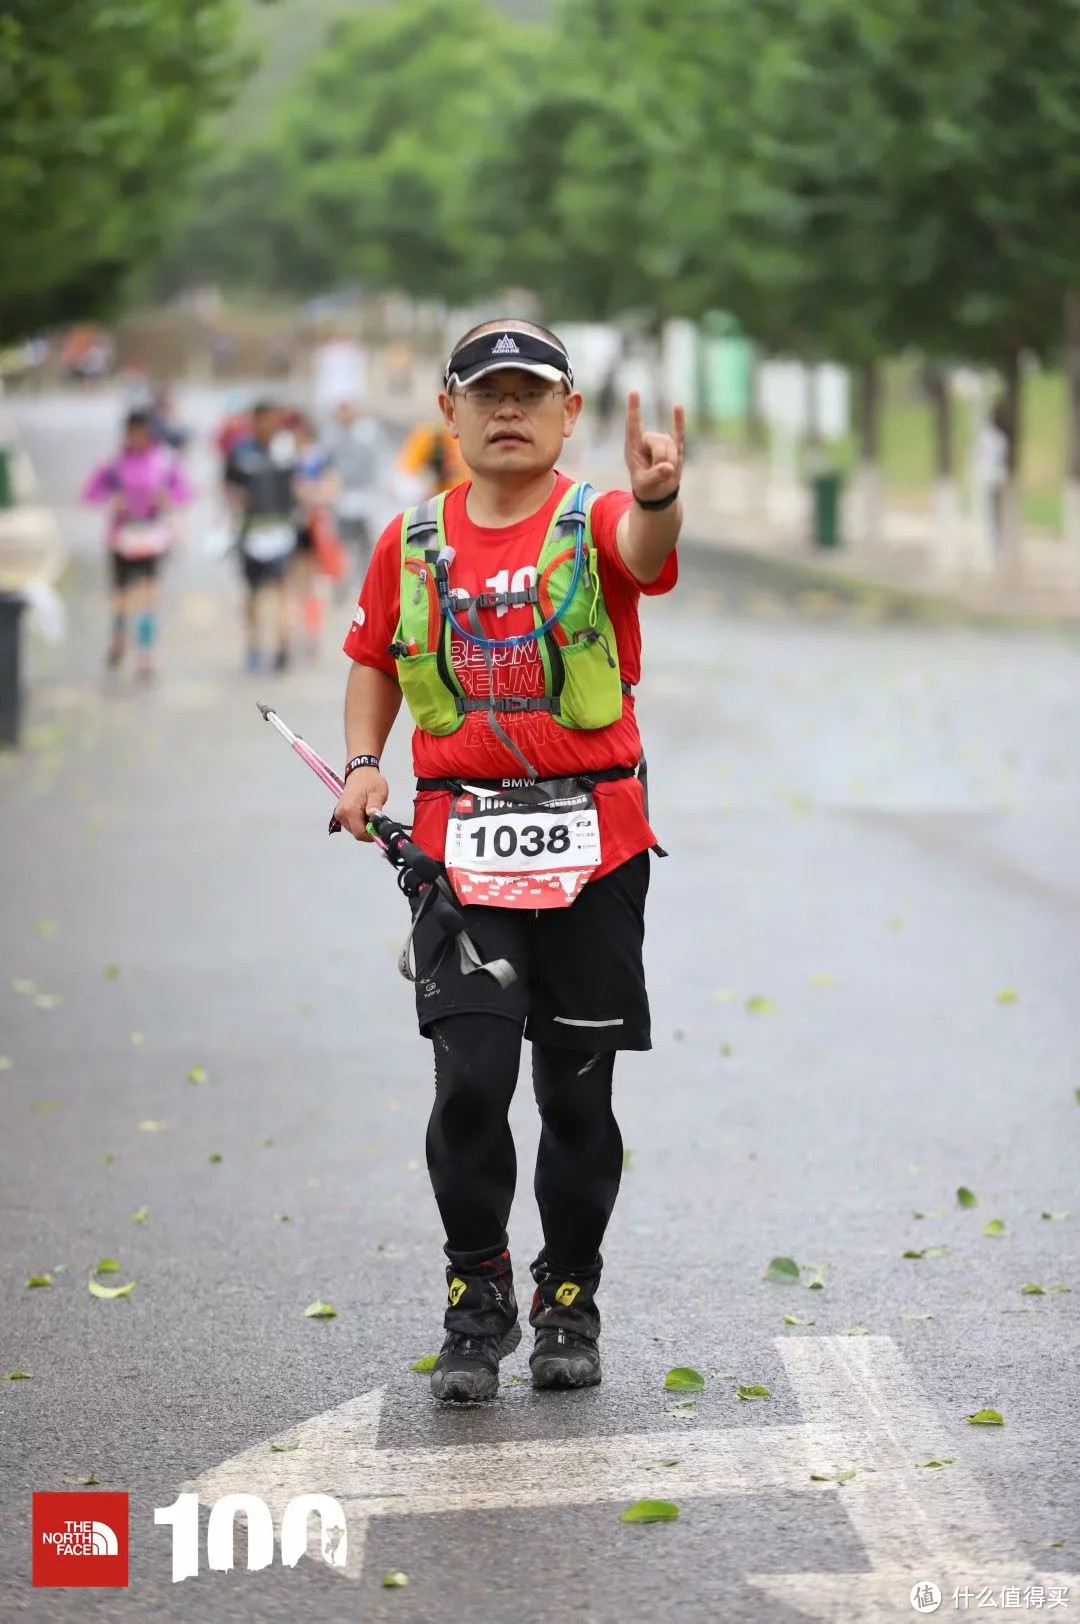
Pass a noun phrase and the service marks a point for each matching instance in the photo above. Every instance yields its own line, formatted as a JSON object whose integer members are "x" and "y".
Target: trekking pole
{"x": 421, "y": 877}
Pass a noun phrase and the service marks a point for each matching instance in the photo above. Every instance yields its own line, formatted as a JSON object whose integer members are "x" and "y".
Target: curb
{"x": 746, "y": 573}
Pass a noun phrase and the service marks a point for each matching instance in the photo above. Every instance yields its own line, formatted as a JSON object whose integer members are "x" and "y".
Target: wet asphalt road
{"x": 873, "y": 828}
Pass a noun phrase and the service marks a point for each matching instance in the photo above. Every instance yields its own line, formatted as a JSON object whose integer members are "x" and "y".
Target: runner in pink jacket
{"x": 142, "y": 486}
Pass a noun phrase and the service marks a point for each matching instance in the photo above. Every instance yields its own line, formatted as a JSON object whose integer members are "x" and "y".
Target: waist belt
{"x": 602, "y": 775}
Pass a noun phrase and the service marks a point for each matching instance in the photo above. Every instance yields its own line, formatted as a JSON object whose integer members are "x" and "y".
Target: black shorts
{"x": 126, "y": 571}
{"x": 305, "y": 541}
{"x": 260, "y": 572}
{"x": 581, "y": 981}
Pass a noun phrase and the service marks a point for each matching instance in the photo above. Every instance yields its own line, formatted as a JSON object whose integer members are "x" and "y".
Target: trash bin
{"x": 7, "y": 491}
{"x": 826, "y": 488}
{"x": 12, "y": 605}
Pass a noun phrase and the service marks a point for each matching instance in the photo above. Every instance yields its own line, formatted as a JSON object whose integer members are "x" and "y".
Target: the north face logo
{"x": 505, "y": 346}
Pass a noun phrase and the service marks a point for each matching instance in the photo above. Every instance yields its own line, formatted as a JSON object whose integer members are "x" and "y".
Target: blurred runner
{"x": 142, "y": 486}
{"x": 164, "y": 423}
{"x": 362, "y": 454}
{"x": 429, "y": 462}
{"x": 316, "y": 485}
{"x": 259, "y": 474}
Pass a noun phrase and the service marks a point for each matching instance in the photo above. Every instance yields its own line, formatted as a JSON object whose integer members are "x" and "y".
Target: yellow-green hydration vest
{"x": 571, "y": 625}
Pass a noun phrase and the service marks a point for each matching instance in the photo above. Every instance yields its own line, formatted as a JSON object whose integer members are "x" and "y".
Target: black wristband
{"x": 361, "y": 761}
{"x": 661, "y": 502}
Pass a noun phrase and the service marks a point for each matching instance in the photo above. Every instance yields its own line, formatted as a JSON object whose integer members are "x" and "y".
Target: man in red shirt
{"x": 527, "y": 758}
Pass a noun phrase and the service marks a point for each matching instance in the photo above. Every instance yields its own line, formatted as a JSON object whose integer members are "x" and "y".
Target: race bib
{"x": 528, "y": 847}
{"x": 142, "y": 539}
{"x": 266, "y": 542}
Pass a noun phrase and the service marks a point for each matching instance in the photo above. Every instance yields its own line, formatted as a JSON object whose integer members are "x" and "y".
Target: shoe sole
{"x": 473, "y": 1386}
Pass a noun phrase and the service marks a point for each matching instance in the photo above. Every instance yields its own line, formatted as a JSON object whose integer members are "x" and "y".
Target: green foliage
{"x": 100, "y": 107}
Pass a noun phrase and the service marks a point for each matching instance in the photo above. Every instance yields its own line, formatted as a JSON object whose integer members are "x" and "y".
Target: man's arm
{"x": 372, "y": 701}
{"x": 646, "y": 536}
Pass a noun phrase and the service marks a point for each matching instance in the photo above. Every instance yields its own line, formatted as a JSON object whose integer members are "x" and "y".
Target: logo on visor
{"x": 505, "y": 346}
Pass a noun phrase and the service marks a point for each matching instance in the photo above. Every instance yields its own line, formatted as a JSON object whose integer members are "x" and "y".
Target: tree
{"x": 100, "y": 110}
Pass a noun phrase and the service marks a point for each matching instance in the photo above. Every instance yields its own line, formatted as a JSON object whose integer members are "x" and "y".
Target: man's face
{"x": 510, "y": 422}
{"x": 345, "y": 413}
{"x": 265, "y": 424}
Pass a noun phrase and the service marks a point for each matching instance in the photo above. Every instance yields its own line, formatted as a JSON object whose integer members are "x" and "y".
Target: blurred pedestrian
{"x": 363, "y": 457}
{"x": 142, "y": 486}
{"x": 259, "y": 474}
{"x": 992, "y": 473}
{"x": 316, "y": 484}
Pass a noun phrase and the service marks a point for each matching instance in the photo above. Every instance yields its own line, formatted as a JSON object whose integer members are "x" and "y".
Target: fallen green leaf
{"x": 108, "y": 1158}
{"x": 938, "y": 1212}
{"x": 911, "y": 1252}
{"x": 858, "y": 1330}
{"x": 683, "y": 1379}
{"x": 753, "y": 1391}
{"x": 650, "y": 1511}
{"x": 1076, "y": 1095}
{"x": 994, "y": 1226}
{"x": 137, "y": 1039}
{"x": 986, "y": 1418}
{"x": 86, "y": 1482}
{"x": 1055, "y": 1217}
{"x": 966, "y": 1197}
{"x": 424, "y": 1365}
{"x": 111, "y": 972}
{"x": 896, "y": 922}
{"x": 107, "y": 1265}
{"x": 1007, "y": 995}
{"x": 726, "y": 1050}
{"x": 19, "y": 1376}
{"x": 782, "y": 1268}
{"x": 139, "y": 1216}
{"x": 47, "y": 1107}
{"x": 757, "y": 1005}
{"x": 817, "y": 1283}
{"x": 284, "y": 1218}
{"x": 215, "y": 1157}
{"x": 25, "y": 989}
{"x": 1048, "y": 1544}
{"x": 937, "y": 1251}
{"x": 909, "y": 1314}
{"x": 932, "y": 1465}
{"x": 198, "y": 1074}
{"x": 45, "y": 928}
{"x": 98, "y": 1290}
{"x": 680, "y": 1407}
{"x": 1059, "y": 1288}
{"x": 627, "y": 1160}
{"x": 6, "y": 1062}
{"x": 39, "y": 1280}
{"x": 284, "y": 1449}
{"x": 394, "y": 1581}
{"x": 833, "y": 1477}
{"x": 47, "y": 1000}
{"x": 1031, "y": 1290}
{"x": 320, "y": 1310}
{"x": 151, "y": 1125}
{"x": 793, "y": 1319}
{"x": 822, "y": 978}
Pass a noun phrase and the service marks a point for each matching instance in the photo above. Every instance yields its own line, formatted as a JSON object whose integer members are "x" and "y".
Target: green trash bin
{"x": 7, "y": 490}
{"x": 826, "y": 488}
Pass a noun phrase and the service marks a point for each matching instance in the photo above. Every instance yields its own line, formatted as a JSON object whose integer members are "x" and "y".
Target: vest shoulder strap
{"x": 422, "y": 526}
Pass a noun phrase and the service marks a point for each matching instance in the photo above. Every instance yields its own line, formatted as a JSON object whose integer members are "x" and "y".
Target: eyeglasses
{"x": 485, "y": 399}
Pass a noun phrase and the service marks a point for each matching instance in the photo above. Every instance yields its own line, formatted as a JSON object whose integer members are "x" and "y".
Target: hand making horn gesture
{"x": 654, "y": 460}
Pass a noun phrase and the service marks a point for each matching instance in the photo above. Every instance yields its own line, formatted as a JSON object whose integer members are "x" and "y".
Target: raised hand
{"x": 654, "y": 460}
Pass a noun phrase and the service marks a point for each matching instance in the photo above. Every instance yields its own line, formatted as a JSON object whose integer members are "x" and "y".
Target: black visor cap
{"x": 503, "y": 348}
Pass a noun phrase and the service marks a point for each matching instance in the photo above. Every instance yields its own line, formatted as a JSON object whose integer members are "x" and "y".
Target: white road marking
{"x": 861, "y": 1407}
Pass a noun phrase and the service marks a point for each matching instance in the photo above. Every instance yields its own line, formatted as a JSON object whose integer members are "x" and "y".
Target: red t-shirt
{"x": 500, "y": 560}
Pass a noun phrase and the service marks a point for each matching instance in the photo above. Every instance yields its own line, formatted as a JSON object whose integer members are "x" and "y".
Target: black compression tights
{"x": 470, "y": 1150}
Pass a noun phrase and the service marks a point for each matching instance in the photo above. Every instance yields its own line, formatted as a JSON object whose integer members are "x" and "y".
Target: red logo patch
{"x": 80, "y": 1538}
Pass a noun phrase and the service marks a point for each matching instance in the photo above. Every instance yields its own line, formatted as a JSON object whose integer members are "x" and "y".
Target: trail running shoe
{"x": 567, "y": 1322}
{"x": 482, "y": 1327}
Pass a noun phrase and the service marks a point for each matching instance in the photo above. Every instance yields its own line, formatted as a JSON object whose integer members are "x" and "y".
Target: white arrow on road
{"x": 862, "y": 1409}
